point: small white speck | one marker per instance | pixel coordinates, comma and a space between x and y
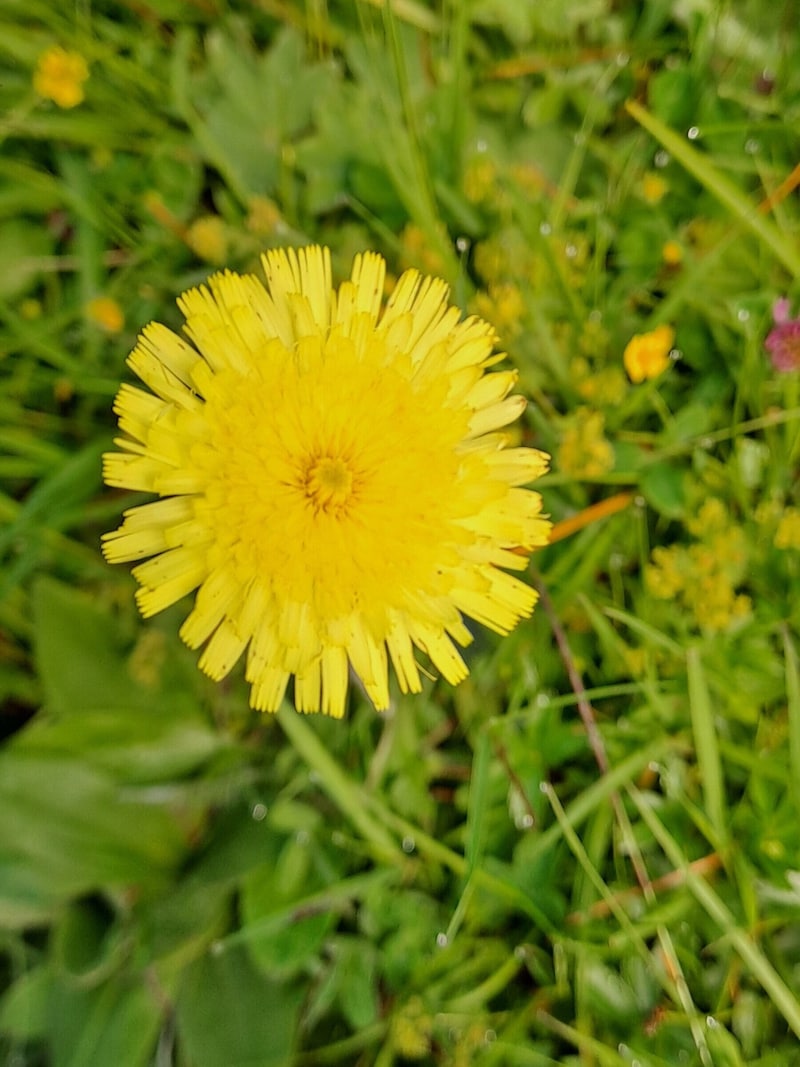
408, 844
259, 812
462, 244
545, 229
693, 133
441, 940
661, 158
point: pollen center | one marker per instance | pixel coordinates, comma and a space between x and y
329, 484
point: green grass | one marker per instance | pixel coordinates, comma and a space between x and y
588, 852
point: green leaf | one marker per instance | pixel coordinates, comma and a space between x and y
25, 1005
662, 486
78, 652
66, 829
673, 95
228, 1013
115, 1024
356, 965
241, 123
285, 949
87, 944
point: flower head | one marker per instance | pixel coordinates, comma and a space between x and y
332, 479
646, 355
783, 341
59, 76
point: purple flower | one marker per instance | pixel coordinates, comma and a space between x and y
783, 340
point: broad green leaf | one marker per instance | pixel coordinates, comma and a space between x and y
69, 828
229, 1013
25, 1005
356, 961
116, 1024
78, 653
662, 486
87, 944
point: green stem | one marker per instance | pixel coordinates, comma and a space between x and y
701, 168
346, 795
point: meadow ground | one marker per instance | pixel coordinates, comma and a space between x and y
586, 853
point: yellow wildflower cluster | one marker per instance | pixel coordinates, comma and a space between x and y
703, 576
788, 533
59, 76
600, 388
412, 1029
503, 306
585, 451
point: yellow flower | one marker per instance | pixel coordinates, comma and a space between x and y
59, 76
654, 187
106, 313
788, 533
333, 480
672, 253
646, 355
208, 238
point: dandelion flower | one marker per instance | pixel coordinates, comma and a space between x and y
646, 355
333, 479
59, 76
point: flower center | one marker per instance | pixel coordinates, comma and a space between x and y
328, 484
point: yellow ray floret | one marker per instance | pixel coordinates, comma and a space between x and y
333, 480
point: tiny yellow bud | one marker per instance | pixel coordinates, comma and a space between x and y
106, 313
653, 187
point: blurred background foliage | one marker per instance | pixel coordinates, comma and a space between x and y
586, 854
